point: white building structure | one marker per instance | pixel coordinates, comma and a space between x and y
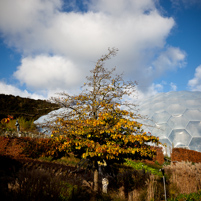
174, 117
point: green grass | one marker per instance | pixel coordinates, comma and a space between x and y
70, 160
141, 166
188, 197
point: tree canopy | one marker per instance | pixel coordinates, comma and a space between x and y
100, 123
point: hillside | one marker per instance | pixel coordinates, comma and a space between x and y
26, 107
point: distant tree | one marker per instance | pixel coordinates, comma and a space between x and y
100, 124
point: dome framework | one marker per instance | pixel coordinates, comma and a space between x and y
174, 117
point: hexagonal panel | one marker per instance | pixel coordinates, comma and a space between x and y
195, 144
180, 137
193, 114
193, 103
172, 100
159, 106
185, 110
186, 95
175, 109
161, 130
178, 122
147, 123
161, 117
194, 128
146, 113
158, 99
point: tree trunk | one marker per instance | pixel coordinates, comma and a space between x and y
96, 180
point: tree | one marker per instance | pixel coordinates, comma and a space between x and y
100, 124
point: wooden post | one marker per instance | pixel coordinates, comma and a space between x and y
96, 180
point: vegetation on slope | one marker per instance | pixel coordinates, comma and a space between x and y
30, 109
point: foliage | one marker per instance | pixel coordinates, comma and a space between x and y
35, 148
25, 125
188, 197
141, 166
12, 147
100, 124
4, 122
70, 160
167, 160
3, 144
25, 146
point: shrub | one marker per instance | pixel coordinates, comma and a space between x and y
25, 125
35, 148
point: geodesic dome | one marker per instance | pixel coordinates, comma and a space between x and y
174, 117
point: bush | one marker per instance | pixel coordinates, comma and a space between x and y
25, 125
35, 148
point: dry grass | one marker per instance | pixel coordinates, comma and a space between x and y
153, 190
44, 184
185, 176
151, 184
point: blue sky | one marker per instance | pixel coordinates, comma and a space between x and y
49, 46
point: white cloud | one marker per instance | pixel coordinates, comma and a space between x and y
168, 60
19, 16
152, 90
38, 28
84, 35
173, 86
195, 83
12, 90
45, 72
